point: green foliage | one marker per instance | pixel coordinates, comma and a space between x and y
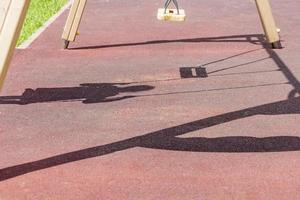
39, 12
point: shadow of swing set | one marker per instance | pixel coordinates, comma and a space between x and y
169, 138
13, 13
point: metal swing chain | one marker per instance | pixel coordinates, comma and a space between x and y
168, 3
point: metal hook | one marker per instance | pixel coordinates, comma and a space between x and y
168, 3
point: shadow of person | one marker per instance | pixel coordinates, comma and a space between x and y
87, 93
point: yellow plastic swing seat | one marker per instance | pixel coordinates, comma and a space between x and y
171, 15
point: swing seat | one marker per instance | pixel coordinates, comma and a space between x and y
171, 15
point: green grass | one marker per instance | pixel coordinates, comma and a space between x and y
39, 12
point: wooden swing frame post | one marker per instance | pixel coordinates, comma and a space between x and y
268, 22
13, 12
263, 8
12, 17
72, 25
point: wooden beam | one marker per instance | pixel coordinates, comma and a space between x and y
11, 28
73, 21
267, 20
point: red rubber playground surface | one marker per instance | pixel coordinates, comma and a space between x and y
143, 109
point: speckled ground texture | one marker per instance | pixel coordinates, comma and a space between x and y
119, 115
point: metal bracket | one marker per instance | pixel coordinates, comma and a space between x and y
168, 3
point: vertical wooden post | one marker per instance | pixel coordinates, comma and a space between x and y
73, 21
11, 27
268, 22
